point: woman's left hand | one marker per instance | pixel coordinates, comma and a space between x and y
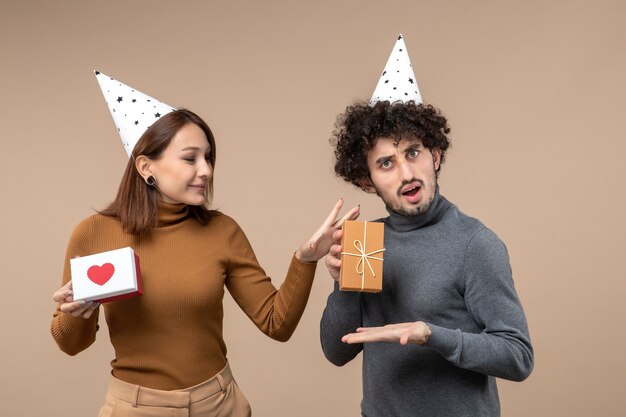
318, 246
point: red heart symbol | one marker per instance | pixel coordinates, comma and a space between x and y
101, 274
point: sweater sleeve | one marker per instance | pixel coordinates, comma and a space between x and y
75, 334
276, 312
503, 348
341, 316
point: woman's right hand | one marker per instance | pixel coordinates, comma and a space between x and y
81, 308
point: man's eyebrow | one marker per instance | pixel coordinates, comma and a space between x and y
383, 159
414, 147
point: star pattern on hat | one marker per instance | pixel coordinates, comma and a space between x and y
397, 82
132, 111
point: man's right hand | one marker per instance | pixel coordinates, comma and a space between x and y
333, 259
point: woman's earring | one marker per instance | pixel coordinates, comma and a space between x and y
151, 181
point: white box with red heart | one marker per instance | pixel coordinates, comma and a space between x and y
106, 276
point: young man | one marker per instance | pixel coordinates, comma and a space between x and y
448, 320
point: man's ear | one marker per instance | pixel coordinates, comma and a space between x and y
144, 166
366, 185
436, 158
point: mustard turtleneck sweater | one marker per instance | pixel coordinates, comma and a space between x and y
171, 336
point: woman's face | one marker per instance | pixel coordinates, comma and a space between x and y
183, 170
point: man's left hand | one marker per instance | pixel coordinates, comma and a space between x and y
416, 332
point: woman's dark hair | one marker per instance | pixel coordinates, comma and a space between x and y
358, 128
137, 203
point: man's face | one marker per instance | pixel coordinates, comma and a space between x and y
404, 175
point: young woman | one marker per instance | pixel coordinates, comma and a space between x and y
170, 354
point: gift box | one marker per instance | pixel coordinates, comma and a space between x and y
106, 276
362, 256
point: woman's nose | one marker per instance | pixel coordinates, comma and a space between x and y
205, 170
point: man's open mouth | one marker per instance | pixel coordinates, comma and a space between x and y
411, 189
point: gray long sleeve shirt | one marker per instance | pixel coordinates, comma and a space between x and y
448, 270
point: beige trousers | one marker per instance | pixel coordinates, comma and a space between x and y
217, 397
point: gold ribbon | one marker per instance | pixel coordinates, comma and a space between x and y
365, 257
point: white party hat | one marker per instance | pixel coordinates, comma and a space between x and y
397, 83
133, 111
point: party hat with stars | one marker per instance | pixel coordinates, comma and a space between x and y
397, 83
133, 111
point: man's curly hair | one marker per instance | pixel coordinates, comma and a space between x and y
358, 128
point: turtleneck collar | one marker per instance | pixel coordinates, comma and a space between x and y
435, 212
172, 213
